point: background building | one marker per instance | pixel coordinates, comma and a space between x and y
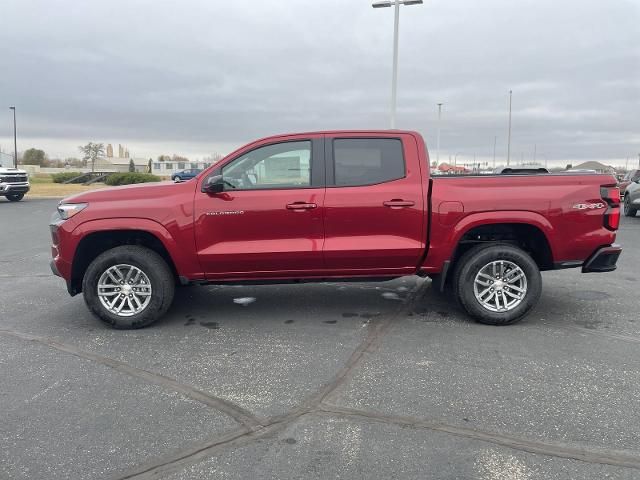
597, 166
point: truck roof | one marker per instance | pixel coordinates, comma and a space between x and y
342, 132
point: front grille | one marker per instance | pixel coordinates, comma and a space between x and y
13, 178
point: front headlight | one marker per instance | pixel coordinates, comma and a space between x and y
68, 210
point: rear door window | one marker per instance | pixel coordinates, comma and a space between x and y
367, 161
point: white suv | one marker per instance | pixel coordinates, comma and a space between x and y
14, 183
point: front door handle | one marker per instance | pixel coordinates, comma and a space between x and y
398, 203
301, 206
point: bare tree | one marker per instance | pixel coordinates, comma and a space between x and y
213, 158
91, 151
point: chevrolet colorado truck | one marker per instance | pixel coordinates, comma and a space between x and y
351, 205
14, 183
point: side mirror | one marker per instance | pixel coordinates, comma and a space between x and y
213, 184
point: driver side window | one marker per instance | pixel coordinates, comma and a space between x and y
282, 165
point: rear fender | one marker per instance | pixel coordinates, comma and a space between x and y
442, 248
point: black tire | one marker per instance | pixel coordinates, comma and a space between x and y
15, 197
155, 268
629, 211
474, 260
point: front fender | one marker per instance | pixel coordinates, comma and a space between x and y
184, 260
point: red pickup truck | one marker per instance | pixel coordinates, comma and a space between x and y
355, 205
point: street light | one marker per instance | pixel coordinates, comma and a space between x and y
438, 144
394, 77
509, 140
495, 140
15, 139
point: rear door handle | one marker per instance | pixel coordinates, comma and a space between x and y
301, 206
398, 203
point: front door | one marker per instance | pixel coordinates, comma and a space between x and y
268, 221
374, 213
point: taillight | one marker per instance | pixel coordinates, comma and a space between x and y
611, 195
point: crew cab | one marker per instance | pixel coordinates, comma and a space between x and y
351, 205
14, 183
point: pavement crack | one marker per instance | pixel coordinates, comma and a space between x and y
616, 458
184, 457
239, 414
195, 454
310, 406
378, 328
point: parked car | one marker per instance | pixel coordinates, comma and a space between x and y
14, 184
632, 198
342, 204
184, 175
630, 177
520, 170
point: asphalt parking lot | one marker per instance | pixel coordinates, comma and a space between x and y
334, 380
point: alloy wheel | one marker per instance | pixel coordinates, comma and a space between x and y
124, 290
500, 286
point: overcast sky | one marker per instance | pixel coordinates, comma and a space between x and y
201, 76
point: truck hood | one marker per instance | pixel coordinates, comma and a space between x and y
140, 191
11, 170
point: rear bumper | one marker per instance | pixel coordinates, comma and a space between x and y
603, 259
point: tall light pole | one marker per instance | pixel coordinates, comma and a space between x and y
509, 138
394, 75
438, 145
495, 140
15, 139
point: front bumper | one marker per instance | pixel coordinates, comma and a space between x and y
60, 267
54, 268
8, 188
603, 259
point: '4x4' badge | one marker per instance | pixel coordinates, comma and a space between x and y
589, 206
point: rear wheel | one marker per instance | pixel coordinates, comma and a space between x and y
128, 287
497, 284
15, 197
629, 211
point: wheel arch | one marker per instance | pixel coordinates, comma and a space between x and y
452, 246
528, 237
95, 241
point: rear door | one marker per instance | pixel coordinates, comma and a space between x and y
374, 206
268, 221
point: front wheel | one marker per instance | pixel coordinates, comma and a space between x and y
497, 284
128, 287
629, 211
15, 197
